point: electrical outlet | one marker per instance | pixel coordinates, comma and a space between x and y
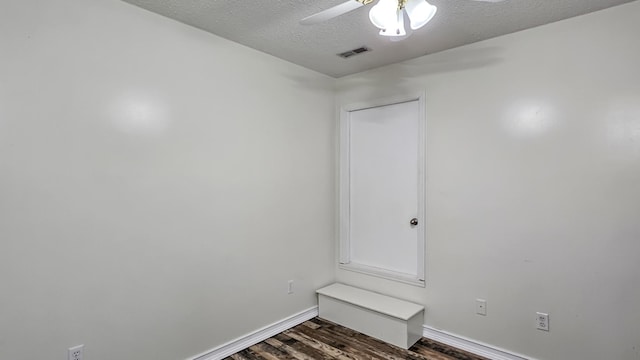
290, 287
76, 352
542, 321
481, 307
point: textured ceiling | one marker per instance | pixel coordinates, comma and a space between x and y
272, 26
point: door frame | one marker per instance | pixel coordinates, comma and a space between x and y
344, 190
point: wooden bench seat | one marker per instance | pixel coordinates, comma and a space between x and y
392, 320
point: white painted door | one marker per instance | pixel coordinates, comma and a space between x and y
384, 180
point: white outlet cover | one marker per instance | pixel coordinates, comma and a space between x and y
76, 352
481, 307
542, 321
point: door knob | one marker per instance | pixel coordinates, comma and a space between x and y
414, 222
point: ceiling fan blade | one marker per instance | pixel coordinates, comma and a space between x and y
330, 13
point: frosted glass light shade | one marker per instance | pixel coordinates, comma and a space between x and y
383, 14
398, 26
420, 12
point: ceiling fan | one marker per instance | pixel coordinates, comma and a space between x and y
386, 15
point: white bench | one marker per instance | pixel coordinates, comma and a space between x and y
392, 320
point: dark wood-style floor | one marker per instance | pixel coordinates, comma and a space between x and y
320, 339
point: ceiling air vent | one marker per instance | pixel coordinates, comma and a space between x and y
350, 53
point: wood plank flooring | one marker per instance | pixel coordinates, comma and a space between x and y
319, 339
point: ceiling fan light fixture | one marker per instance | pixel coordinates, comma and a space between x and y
420, 12
397, 29
384, 14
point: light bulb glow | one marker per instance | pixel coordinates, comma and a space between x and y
397, 28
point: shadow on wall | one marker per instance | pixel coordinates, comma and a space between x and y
401, 77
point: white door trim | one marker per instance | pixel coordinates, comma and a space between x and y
344, 189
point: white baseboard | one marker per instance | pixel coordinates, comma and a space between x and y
460, 342
257, 336
475, 347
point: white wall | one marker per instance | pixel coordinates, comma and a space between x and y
158, 185
533, 186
